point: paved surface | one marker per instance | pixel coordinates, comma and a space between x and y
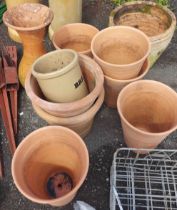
103, 140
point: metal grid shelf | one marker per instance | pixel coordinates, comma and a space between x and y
144, 182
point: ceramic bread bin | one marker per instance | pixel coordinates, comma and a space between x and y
59, 76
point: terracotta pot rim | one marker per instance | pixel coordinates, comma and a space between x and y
87, 115
17, 28
118, 28
168, 11
129, 124
75, 189
62, 107
74, 25
133, 79
58, 72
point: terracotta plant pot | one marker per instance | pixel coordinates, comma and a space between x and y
81, 123
120, 51
49, 150
64, 12
94, 78
113, 86
30, 21
157, 22
148, 113
59, 76
11, 3
76, 36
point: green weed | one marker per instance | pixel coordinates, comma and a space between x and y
160, 2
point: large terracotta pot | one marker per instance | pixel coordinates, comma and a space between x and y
76, 36
30, 21
49, 150
11, 3
148, 113
120, 51
157, 22
65, 11
59, 76
81, 123
114, 86
94, 79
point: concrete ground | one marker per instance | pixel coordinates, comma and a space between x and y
105, 136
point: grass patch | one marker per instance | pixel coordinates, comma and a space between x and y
160, 2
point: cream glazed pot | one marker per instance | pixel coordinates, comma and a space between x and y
59, 76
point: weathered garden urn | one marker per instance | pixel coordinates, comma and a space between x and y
156, 21
30, 21
11, 3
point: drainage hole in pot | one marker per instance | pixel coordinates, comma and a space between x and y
59, 185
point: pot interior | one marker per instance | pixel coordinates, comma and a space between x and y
120, 46
48, 154
151, 19
149, 107
54, 62
75, 37
79, 43
88, 77
28, 15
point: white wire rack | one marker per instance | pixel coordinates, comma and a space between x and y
144, 182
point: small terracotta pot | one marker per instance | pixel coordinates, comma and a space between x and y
59, 76
76, 36
81, 123
120, 51
157, 22
49, 150
94, 78
148, 113
114, 86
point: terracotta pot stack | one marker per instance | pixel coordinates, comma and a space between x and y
79, 114
122, 52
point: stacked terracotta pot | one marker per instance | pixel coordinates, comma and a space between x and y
122, 52
80, 91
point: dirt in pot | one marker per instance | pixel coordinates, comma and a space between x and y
59, 184
150, 19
